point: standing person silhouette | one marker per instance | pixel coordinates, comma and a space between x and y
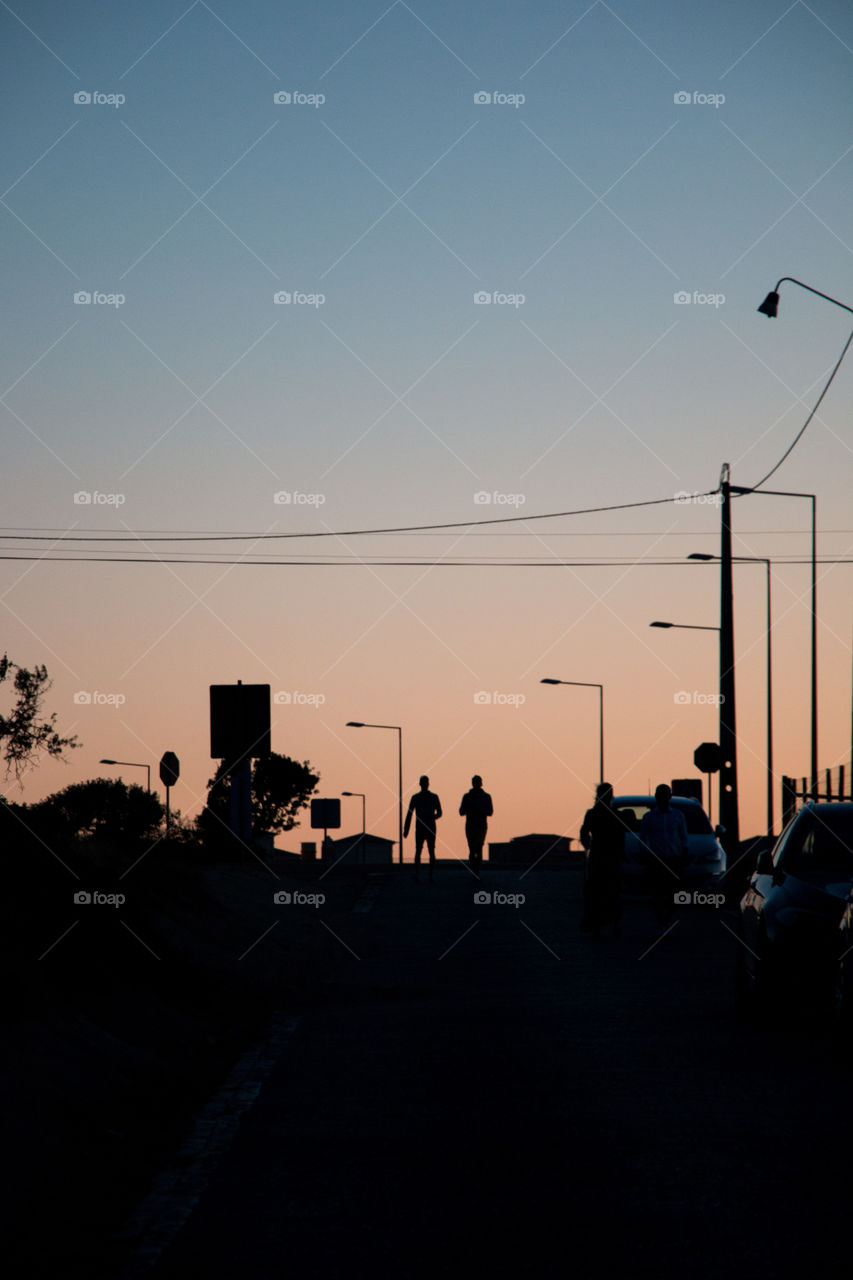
663, 841
603, 836
426, 807
476, 808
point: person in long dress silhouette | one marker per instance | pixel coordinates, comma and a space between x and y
603, 836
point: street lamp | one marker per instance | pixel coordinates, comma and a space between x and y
131, 764
786, 493
770, 305
695, 626
684, 626
700, 555
359, 724
363, 810
770, 308
586, 684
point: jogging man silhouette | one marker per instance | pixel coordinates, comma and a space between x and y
476, 808
426, 807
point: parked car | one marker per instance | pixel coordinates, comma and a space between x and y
843, 982
843, 985
791, 911
707, 858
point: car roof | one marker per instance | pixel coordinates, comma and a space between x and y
651, 800
812, 806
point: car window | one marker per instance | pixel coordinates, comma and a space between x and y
793, 834
694, 814
631, 814
819, 844
696, 818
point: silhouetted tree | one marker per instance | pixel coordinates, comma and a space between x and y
25, 732
280, 788
103, 809
184, 829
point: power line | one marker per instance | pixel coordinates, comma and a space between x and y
356, 533
46, 534
450, 524
802, 429
358, 562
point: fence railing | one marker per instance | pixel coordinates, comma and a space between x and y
833, 784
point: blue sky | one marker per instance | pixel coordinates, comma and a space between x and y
583, 210
511, 206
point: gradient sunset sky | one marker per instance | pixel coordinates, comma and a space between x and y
585, 167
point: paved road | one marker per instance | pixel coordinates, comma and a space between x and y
487, 1089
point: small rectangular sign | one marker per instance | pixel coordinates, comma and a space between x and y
326, 814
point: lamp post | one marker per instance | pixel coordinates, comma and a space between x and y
359, 724
363, 810
695, 626
787, 493
770, 308
699, 555
131, 764
585, 684
727, 793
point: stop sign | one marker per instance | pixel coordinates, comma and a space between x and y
170, 769
708, 757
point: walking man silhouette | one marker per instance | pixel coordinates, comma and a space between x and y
476, 808
426, 807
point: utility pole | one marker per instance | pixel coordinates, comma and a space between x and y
728, 791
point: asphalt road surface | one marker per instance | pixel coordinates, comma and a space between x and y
486, 1090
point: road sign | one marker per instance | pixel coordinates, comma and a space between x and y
170, 769
239, 721
708, 757
326, 814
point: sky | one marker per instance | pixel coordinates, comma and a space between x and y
322, 268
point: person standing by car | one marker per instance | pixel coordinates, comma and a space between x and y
476, 808
663, 839
426, 807
603, 836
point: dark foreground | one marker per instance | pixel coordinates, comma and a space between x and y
479, 1087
